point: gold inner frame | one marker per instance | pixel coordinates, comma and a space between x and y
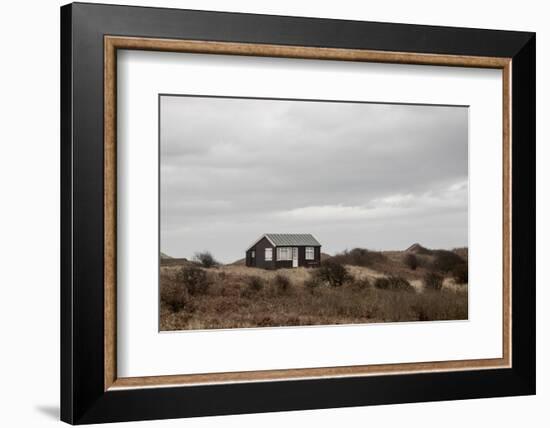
113, 43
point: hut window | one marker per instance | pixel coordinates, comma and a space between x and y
269, 254
310, 253
253, 254
284, 253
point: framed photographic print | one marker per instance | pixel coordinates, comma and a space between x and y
265, 213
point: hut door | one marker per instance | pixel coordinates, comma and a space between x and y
294, 257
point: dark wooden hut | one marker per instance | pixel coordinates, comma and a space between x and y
284, 250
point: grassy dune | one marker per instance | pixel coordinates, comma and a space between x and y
235, 296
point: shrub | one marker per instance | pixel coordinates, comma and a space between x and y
446, 261
194, 279
393, 283
333, 273
174, 295
282, 284
382, 283
359, 257
460, 273
411, 261
206, 259
312, 283
255, 284
361, 284
462, 252
398, 283
433, 281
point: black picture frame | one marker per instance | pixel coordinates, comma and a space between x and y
83, 398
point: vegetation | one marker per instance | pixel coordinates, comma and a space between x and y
361, 284
359, 257
433, 281
356, 286
175, 296
333, 273
194, 279
411, 261
243, 299
445, 261
312, 284
393, 282
282, 284
255, 283
460, 273
206, 259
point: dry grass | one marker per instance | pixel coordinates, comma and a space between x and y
239, 297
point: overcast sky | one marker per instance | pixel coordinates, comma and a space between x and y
378, 176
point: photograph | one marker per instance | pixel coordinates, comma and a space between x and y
289, 212
283, 210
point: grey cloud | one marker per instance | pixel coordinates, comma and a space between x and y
232, 169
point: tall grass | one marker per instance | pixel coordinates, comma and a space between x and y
236, 299
433, 281
393, 283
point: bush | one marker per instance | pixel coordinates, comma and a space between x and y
393, 283
206, 259
194, 279
255, 284
460, 273
398, 283
411, 261
361, 284
445, 261
382, 283
282, 284
312, 283
359, 257
333, 273
175, 296
433, 281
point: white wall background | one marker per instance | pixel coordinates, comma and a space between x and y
29, 219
